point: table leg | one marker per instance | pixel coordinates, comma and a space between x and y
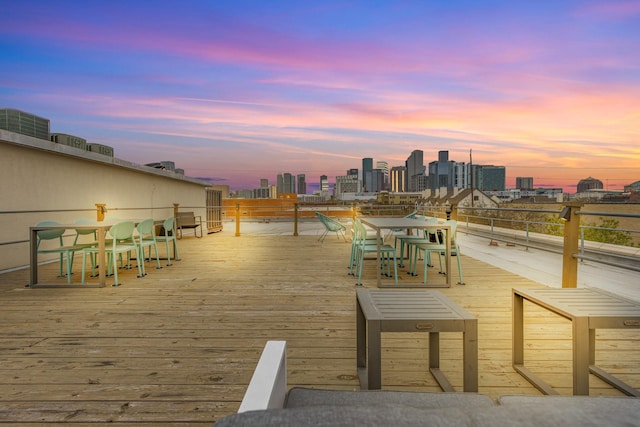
434, 350
102, 258
361, 337
470, 356
378, 261
581, 356
518, 330
447, 257
374, 374
33, 257
592, 346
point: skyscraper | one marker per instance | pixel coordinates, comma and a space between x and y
324, 184
441, 172
280, 184
384, 167
415, 168
489, 177
376, 181
302, 184
286, 183
345, 184
398, 179
289, 183
524, 183
367, 167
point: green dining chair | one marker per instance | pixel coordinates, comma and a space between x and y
364, 246
438, 246
147, 239
80, 240
122, 242
167, 235
65, 251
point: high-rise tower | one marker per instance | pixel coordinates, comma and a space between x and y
367, 167
415, 169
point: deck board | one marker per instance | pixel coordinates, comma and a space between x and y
178, 347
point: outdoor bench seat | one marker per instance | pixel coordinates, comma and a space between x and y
188, 220
268, 403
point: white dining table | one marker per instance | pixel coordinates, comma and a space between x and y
395, 223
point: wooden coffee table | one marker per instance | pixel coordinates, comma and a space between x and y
412, 311
588, 310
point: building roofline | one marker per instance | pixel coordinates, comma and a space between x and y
30, 142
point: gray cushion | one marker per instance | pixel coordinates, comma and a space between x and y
299, 397
400, 415
550, 413
347, 416
617, 403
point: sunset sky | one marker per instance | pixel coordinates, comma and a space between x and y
235, 91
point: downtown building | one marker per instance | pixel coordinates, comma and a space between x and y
286, 184
415, 178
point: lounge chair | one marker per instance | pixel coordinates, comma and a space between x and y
332, 225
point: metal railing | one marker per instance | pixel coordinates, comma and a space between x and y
544, 229
531, 228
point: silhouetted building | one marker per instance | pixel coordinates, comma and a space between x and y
415, 169
302, 184
398, 179
524, 183
441, 172
489, 177
367, 167
589, 184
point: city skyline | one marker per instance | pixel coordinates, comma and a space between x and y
234, 92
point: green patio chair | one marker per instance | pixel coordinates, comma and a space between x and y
438, 246
412, 215
331, 225
365, 246
147, 239
122, 242
168, 234
65, 251
82, 241
370, 239
423, 236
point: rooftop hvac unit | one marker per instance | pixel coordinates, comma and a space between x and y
100, 149
70, 140
24, 123
168, 165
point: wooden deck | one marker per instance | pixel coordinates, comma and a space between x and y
178, 347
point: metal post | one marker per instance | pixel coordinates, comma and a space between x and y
237, 219
570, 247
453, 211
176, 226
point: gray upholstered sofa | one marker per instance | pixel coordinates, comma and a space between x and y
268, 403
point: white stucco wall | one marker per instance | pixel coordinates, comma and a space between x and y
42, 180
